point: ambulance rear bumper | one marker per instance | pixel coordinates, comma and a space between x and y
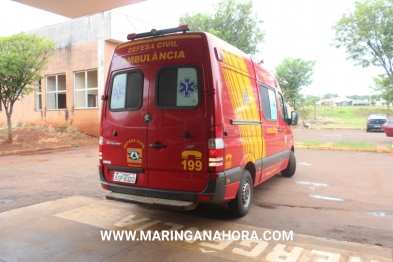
152, 201
215, 188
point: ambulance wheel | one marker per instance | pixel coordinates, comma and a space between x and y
242, 202
291, 168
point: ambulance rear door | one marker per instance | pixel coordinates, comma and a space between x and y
177, 116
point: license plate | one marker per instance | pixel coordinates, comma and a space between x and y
124, 177
377, 125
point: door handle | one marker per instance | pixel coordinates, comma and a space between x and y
157, 146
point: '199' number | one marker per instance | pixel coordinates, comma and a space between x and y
192, 165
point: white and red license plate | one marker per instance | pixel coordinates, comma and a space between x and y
124, 177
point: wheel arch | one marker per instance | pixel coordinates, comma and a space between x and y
250, 167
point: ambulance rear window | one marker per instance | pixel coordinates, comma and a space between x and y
126, 91
178, 88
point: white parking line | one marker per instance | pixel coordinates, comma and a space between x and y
327, 198
301, 248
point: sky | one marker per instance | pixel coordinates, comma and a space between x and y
293, 29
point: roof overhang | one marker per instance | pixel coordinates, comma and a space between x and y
77, 8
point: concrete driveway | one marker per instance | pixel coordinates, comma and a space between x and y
338, 206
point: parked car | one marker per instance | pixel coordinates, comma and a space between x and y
375, 121
388, 127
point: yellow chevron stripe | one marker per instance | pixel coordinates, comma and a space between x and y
238, 82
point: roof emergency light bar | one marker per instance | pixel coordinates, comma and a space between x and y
154, 32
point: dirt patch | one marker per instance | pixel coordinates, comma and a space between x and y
38, 138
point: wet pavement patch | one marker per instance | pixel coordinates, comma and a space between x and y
266, 206
304, 164
327, 198
311, 185
381, 213
6, 188
6, 200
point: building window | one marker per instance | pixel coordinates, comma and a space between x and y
38, 96
56, 97
86, 89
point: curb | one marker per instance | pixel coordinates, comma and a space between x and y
377, 150
34, 151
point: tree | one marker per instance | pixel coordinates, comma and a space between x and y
367, 34
233, 22
330, 95
358, 97
22, 59
311, 100
292, 74
373, 99
384, 87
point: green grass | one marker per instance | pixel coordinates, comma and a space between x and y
310, 143
354, 145
340, 116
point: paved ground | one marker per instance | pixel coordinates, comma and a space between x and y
338, 205
71, 229
331, 136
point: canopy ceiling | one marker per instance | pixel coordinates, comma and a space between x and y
76, 8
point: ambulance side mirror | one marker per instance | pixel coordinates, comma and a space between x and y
294, 118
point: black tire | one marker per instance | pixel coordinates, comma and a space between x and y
368, 130
291, 168
242, 203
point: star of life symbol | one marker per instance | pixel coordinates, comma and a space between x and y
187, 87
245, 97
119, 91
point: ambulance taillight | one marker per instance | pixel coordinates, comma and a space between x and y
100, 144
216, 149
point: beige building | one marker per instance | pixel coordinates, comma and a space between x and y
70, 92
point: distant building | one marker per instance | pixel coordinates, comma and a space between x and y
363, 102
69, 94
337, 101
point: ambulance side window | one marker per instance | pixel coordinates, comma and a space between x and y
269, 103
126, 91
284, 112
178, 88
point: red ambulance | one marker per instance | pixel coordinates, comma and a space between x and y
188, 118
